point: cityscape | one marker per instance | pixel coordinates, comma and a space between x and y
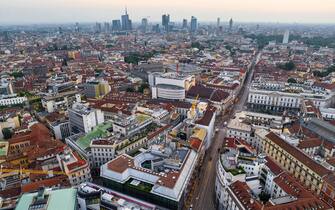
176, 113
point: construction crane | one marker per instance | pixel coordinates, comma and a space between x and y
194, 103
29, 171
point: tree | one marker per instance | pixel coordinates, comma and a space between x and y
142, 87
288, 66
130, 89
291, 80
7, 134
264, 197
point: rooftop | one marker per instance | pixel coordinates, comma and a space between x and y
100, 131
64, 199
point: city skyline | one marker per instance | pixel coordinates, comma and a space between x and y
61, 11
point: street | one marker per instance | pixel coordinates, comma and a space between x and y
204, 193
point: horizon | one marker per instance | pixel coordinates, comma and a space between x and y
20, 12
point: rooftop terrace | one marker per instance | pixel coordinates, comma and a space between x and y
100, 131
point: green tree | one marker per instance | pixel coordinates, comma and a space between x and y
288, 66
130, 89
291, 80
142, 87
7, 134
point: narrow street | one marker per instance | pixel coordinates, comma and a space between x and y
204, 193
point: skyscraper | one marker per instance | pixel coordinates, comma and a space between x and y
116, 25
218, 22
144, 24
194, 24
76, 28
286, 37
126, 22
106, 27
184, 23
97, 27
165, 21
231, 24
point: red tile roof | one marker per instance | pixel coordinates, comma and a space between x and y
298, 154
56, 181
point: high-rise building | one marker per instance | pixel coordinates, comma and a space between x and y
116, 25
106, 27
98, 27
194, 24
144, 24
218, 22
231, 24
126, 22
286, 37
165, 21
184, 23
76, 28
155, 28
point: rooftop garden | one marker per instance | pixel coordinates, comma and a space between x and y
140, 186
99, 131
142, 117
236, 171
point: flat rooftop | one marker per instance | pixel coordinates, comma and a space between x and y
64, 199
100, 131
3, 148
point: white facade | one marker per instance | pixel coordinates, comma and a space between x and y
168, 92
63, 100
84, 119
239, 130
222, 182
61, 130
279, 101
101, 154
170, 85
328, 113
7, 101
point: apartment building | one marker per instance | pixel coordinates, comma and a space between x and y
295, 161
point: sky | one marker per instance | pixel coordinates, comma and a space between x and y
70, 11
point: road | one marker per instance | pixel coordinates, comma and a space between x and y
204, 192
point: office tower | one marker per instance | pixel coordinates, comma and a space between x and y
194, 24
106, 27
97, 27
116, 25
155, 28
76, 28
144, 24
218, 22
231, 24
83, 118
286, 37
184, 23
60, 30
165, 21
126, 22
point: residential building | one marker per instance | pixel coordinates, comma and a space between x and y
60, 101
